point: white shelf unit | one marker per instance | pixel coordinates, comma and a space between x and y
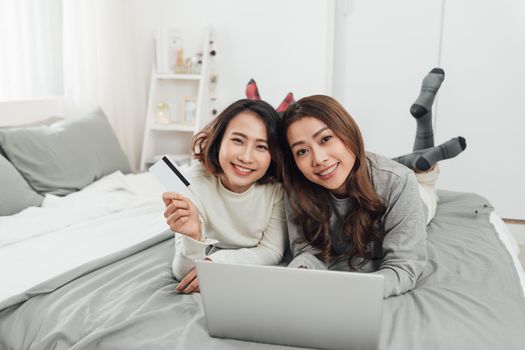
175, 138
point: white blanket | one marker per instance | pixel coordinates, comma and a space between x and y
112, 214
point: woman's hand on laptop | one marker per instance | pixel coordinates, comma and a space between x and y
181, 215
189, 284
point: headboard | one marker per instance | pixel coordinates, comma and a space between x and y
31, 110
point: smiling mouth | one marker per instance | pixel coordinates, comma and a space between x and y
329, 171
241, 170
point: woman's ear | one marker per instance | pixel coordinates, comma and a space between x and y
252, 92
288, 100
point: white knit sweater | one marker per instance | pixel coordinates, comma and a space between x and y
247, 228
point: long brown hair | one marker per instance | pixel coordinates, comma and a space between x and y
207, 142
310, 202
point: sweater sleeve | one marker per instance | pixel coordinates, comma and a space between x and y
187, 250
303, 253
404, 244
269, 250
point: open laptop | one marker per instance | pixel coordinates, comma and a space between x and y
288, 306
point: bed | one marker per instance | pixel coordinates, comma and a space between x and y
90, 268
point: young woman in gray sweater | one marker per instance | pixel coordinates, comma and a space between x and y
348, 209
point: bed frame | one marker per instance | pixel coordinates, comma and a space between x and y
30, 110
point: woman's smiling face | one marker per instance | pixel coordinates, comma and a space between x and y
244, 154
320, 155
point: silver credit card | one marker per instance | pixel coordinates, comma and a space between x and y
171, 177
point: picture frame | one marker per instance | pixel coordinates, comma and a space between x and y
168, 42
189, 109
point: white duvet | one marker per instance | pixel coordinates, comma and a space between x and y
111, 214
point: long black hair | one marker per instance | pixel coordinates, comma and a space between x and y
310, 202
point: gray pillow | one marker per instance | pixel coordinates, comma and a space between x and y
66, 156
47, 121
16, 194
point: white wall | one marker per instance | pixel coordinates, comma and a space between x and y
484, 53
282, 44
385, 48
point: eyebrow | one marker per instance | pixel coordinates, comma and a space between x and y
313, 136
246, 137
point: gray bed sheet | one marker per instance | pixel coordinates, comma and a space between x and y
469, 297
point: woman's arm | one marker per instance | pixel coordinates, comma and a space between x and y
303, 253
186, 221
404, 244
187, 250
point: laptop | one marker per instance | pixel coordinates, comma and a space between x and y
288, 306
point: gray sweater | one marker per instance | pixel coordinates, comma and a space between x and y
401, 256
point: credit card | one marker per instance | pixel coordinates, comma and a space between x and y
169, 176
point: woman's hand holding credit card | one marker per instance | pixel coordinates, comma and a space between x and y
181, 214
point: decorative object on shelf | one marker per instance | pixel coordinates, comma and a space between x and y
189, 105
175, 46
167, 42
212, 84
163, 113
180, 66
213, 75
194, 63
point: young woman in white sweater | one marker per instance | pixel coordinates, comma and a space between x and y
236, 211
